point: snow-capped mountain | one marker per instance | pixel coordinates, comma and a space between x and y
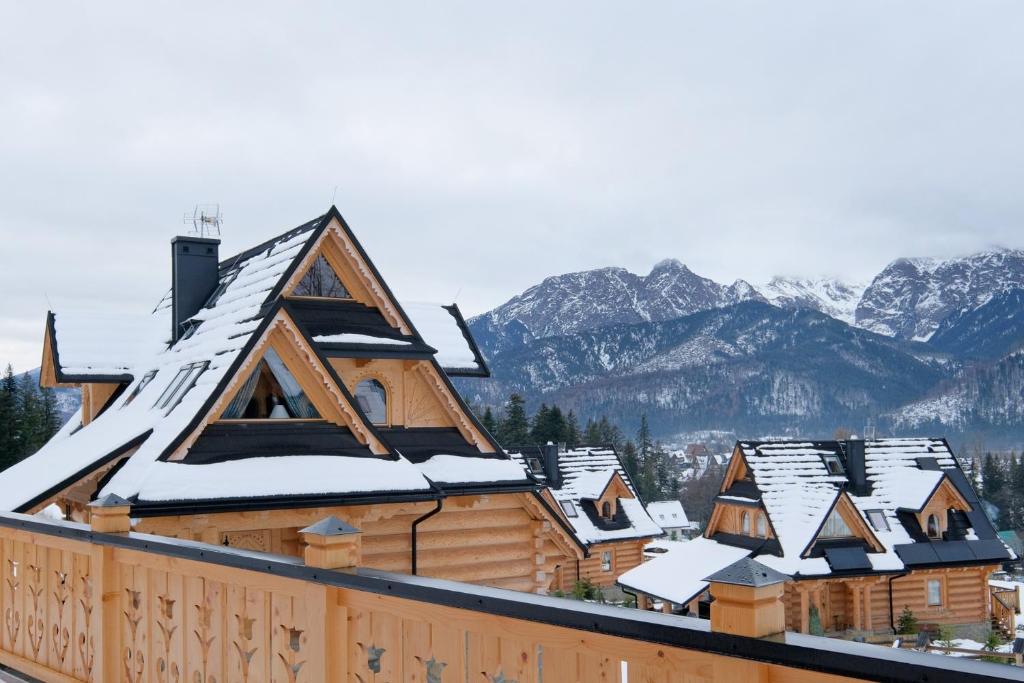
911, 297
828, 295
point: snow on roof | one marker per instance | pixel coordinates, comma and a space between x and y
106, 343
279, 476
440, 327
668, 513
460, 469
678, 575
584, 470
352, 338
227, 328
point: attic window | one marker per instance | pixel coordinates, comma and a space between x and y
606, 510
372, 398
933, 526
878, 520
835, 527
270, 393
834, 465
321, 280
762, 526
146, 379
535, 465
569, 509
180, 385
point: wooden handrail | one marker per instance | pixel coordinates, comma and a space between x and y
78, 605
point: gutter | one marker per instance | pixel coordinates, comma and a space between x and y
416, 523
892, 614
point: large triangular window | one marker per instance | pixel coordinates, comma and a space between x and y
321, 280
835, 527
271, 393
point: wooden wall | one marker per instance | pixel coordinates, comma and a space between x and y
862, 603
492, 540
625, 556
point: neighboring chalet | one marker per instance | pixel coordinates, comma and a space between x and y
593, 491
282, 385
671, 517
863, 528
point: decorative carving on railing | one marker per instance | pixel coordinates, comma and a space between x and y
434, 669
60, 636
245, 653
373, 655
134, 659
35, 625
289, 654
12, 617
166, 670
204, 612
86, 642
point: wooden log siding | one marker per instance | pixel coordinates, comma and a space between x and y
134, 608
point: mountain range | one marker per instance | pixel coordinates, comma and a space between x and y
793, 356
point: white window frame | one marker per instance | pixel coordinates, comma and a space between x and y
833, 460
606, 561
876, 516
569, 509
936, 585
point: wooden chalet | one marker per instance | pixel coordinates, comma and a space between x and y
864, 529
594, 493
280, 386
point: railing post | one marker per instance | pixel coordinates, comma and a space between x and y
332, 544
748, 600
110, 515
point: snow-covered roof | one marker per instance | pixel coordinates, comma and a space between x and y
444, 328
668, 514
139, 424
678, 574
798, 491
584, 474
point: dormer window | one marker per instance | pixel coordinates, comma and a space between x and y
762, 526
745, 523
606, 510
835, 527
321, 281
372, 398
271, 393
933, 526
834, 465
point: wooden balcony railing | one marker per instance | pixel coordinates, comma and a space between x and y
82, 605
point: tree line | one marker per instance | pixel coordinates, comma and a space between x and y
29, 416
1000, 481
649, 464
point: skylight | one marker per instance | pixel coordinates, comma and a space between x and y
569, 509
834, 465
180, 385
878, 520
146, 379
321, 280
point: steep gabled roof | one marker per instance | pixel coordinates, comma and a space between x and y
224, 333
585, 474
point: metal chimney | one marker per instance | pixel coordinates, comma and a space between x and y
194, 277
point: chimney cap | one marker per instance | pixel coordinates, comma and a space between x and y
748, 572
111, 500
330, 526
194, 239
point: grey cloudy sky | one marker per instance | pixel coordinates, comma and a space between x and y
478, 147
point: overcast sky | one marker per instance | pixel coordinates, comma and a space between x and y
476, 150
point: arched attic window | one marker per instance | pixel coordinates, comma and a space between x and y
270, 393
321, 281
372, 398
933, 526
762, 526
606, 510
745, 522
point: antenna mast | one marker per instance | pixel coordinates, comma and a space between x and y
205, 219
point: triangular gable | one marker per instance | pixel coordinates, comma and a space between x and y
339, 247
848, 512
329, 395
953, 498
737, 469
720, 506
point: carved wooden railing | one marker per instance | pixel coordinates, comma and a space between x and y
79, 605
1005, 605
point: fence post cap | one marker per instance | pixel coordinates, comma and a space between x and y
111, 500
330, 526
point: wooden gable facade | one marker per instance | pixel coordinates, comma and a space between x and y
333, 368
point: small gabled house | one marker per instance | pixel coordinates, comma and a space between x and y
864, 528
277, 387
592, 491
671, 517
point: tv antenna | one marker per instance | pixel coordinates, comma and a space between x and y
870, 430
205, 220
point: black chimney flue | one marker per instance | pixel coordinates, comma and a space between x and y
554, 474
857, 468
194, 277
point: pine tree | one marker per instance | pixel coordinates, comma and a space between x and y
572, 430
514, 428
630, 462
487, 420
539, 426
31, 431
1015, 492
993, 487
591, 434
8, 419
